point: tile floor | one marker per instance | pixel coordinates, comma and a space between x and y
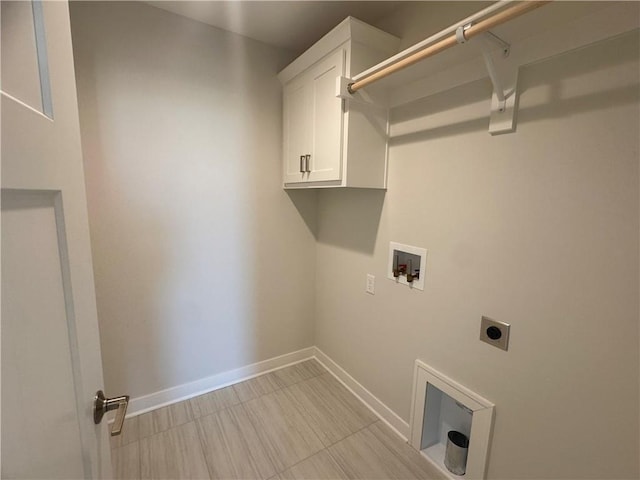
298, 422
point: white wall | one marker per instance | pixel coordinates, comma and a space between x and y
201, 260
538, 229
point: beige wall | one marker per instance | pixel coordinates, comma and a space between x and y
538, 229
204, 264
201, 259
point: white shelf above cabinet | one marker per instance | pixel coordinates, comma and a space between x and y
553, 29
328, 141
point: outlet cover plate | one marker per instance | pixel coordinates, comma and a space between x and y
371, 284
402, 279
495, 333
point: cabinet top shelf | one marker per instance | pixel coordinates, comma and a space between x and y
554, 29
350, 29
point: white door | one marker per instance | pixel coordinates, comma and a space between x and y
50, 351
326, 157
297, 113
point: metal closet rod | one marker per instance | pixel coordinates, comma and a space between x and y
448, 42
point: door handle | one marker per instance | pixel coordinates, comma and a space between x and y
302, 169
307, 163
102, 405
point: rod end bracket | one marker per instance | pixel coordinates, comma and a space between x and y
343, 88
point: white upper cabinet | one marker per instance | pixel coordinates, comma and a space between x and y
330, 142
313, 123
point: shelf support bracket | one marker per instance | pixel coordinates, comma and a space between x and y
504, 78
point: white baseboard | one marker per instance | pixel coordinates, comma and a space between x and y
162, 398
385, 414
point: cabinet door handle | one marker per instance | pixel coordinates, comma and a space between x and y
302, 167
308, 163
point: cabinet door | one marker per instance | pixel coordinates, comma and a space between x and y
326, 129
296, 129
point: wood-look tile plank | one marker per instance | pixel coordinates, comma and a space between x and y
412, 459
313, 367
331, 385
232, 447
330, 417
298, 372
256, 387
174, 453
164, 418
284, 433
126, 461
363, 456
288, 376
320, 466
130, 433
213, 402
287, 418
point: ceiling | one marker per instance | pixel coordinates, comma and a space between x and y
292, 25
